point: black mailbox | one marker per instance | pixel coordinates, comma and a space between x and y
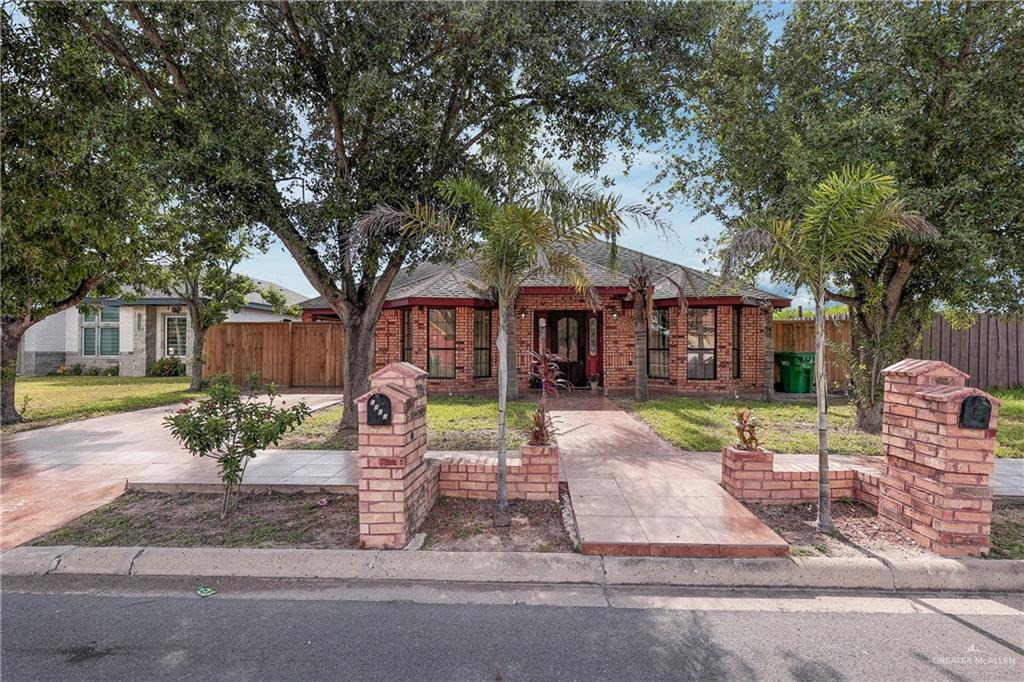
378, 410
975, 412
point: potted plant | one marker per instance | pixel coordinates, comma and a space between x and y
594, 380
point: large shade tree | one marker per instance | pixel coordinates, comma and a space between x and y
932, 93
77, 207
531, 230
373, 103
851, 218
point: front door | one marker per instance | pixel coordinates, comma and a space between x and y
568, 331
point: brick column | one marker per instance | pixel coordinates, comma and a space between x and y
397, 487
936, 475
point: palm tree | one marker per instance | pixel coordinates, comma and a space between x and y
531, 232
641, 290
848, 221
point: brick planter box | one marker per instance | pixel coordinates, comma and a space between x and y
531, 476
750, 475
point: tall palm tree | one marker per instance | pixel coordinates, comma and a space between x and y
849, 220
534, 231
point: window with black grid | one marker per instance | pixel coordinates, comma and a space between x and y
737, 341
481, 343
407, 335
441, 343
700, 343
658, 344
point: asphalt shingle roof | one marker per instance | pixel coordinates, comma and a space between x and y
430, 280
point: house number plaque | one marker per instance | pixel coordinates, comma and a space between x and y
378, 410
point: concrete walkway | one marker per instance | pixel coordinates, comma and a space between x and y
635, 494
53, 475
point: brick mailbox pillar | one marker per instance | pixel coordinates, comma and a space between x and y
397, 486
939, 440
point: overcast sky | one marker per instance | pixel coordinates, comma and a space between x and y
680, 245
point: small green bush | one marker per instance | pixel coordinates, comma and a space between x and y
112, 371
230, 427
167, 367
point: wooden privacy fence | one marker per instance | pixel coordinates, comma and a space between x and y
287, 353
798, 335
991, 351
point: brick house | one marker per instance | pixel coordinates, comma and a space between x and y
439, 318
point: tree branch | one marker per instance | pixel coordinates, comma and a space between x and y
323, 85
112, 43
150, 31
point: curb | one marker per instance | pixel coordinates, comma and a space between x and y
961, 575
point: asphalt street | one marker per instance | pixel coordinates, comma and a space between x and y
266, 630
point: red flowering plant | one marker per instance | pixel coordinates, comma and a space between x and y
230, 427
547, 372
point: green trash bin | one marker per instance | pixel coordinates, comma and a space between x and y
797, 370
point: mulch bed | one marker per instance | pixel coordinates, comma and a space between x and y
468, 526
193, 520
859, 531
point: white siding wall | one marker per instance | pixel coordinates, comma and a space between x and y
126, 329
48, 335
73, 333
250, 315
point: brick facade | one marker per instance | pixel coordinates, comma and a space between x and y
615, 357
936, 481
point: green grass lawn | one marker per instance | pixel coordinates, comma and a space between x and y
452, 424
45, 401
706, 425
1010, 431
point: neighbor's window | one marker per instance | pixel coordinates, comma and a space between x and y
481, 343
407, 335
174, 340
700, 343
657, 344
441, 343
100, 332
737, 339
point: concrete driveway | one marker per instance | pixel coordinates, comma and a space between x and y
50, 476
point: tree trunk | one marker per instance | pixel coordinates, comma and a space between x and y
12, 334
512, 383
769, 353
501, 514
358, 367
198, 347
821, 390
640, 324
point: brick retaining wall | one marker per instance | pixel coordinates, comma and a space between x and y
531, 476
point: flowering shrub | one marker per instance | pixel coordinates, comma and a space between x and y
230, 427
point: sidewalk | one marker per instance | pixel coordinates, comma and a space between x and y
634, 494
52, 475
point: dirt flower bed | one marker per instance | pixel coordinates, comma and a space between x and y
468, 526
1007, 531
860, 532
193, 520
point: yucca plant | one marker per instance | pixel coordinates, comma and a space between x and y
534, 229
849, 220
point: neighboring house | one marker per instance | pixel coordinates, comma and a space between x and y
437, 317
129, 333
